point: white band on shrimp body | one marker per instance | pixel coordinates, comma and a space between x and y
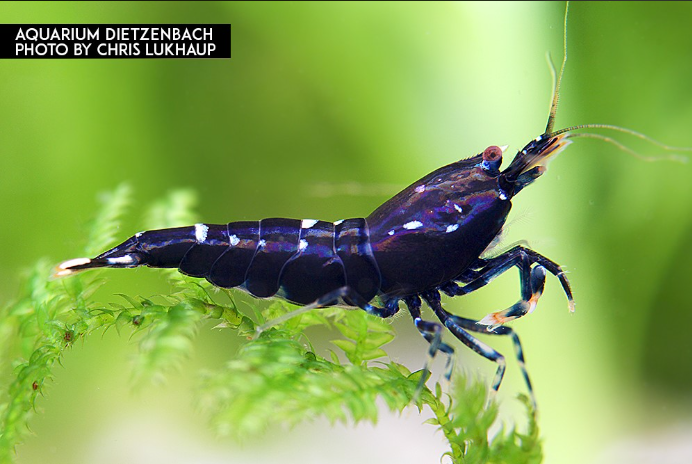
74, 262
201, 231
307, 223
127, 259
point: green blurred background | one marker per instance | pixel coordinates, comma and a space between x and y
325, 110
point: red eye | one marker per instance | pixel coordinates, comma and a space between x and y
492, 153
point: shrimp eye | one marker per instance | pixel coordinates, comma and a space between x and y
492, 153
492, 159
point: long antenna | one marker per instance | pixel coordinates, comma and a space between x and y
557, 81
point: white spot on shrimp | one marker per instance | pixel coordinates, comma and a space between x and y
302, 245
503, 195
65, 268
307, 223
420, 189
391, 232
262, 242
127, 259
338, 222
138, 234
234, 240
458, 208
413, 225
74, 262
201, 232
452, 228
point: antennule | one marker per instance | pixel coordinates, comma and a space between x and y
626, 149
557, 81
549, 133
624, 130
